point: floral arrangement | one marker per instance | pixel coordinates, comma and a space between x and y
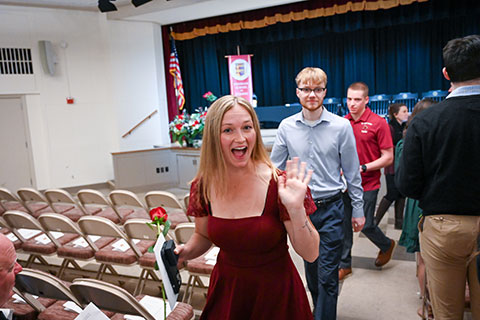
185, 128
159, 219
209, 96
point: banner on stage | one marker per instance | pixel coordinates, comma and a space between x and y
240, 72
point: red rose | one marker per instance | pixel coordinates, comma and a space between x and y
158, 214
179, 126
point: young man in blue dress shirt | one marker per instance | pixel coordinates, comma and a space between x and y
327, 144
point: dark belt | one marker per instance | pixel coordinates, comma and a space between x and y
324, 202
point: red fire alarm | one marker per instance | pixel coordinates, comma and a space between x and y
70, 100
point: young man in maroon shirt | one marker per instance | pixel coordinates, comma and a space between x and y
375, 151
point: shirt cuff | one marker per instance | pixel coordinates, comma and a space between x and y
357, 212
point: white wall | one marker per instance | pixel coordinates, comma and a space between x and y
115, 73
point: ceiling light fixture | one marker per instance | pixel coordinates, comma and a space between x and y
106, 6
137, 3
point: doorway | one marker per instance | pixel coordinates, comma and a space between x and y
15, 152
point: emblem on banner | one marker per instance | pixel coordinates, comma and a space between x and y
240, 69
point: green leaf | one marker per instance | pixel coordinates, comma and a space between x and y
149, 224
150, 249
166, 227
156, 265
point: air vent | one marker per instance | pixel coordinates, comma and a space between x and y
16, 61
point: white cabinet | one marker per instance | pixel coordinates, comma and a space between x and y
187, 166
156, 168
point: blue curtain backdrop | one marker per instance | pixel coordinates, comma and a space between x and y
393, 51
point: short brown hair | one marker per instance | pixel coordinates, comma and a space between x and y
361, 86
311, 74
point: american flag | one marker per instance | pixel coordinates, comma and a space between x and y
177, 76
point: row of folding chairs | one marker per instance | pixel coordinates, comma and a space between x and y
379, 103
91, 238
46, 297
119, 206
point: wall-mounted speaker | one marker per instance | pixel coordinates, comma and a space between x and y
47, 56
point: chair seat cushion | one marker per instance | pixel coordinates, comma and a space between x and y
58, 312
73, 213
69, 250
23, 311
32, 245
137, 214
199, 265
37, 208
182, 311
110, 214
63, 207
176, 216
108, 255
14, 205
91, 210
147, 260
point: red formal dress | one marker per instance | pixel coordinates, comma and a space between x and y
254, 277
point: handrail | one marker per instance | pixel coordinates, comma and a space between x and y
138, 124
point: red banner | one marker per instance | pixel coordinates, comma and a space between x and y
240, 71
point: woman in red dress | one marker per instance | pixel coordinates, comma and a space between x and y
246, 207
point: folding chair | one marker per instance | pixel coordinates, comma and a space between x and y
379, 104
35, 202
113, 298
82, 248
197, 268
5, 230
184, 232
436, 95
122, 252
62, 202
95, 203
175, 210
22, 309
126, 199
138, 229
186, 201
334, 105
42, 244
34, 282
9, 201
407, 98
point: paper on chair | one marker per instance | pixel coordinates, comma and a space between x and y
18, 299
43, 239
80, 242
28, 233
153, 305
56, 234
122, 245
91, 312
212, 254
71, 306
12, 237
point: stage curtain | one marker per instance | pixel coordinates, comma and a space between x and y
392, 50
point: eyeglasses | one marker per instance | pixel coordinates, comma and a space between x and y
307, 91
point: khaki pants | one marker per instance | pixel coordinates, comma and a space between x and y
448, 244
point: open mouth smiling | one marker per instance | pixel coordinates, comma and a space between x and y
239, 151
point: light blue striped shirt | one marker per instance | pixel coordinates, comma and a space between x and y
328, 147
465, 91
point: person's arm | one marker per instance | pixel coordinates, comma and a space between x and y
198, 244
386, 158
349, 164
409, 176
291, 190
279, 154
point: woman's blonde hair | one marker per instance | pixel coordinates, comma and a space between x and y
212, 172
